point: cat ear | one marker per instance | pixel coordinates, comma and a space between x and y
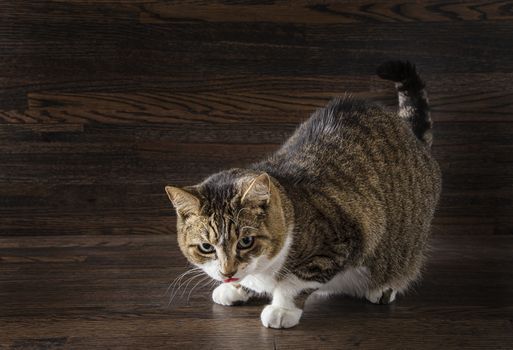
184, 201
257, 190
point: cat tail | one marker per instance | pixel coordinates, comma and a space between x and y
413, 99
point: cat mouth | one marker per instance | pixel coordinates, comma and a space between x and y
228, 280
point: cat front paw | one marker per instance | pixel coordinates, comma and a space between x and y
280, 317
228, 294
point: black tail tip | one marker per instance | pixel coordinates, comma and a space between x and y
398, 71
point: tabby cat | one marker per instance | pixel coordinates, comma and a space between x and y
344, 206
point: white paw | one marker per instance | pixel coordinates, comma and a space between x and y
279, 317
228, 294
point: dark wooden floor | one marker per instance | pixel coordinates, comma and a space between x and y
104, 102
89, 292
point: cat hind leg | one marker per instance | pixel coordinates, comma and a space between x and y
384, 295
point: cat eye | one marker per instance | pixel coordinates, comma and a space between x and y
206, 248
246, 242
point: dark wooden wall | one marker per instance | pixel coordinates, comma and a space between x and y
102, 103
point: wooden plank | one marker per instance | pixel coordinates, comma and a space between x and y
327, 12
453, 97
79, 32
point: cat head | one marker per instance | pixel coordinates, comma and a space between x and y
231, 225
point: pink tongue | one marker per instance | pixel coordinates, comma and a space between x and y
228, 280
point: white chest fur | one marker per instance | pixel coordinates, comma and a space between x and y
264, 280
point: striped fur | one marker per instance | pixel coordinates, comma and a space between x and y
413, 99
364, 192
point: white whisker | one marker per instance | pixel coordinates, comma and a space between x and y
177, 279
190, 292
177, 288
189, 282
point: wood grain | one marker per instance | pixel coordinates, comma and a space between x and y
328, 12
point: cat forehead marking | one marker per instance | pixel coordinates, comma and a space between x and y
222, 226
